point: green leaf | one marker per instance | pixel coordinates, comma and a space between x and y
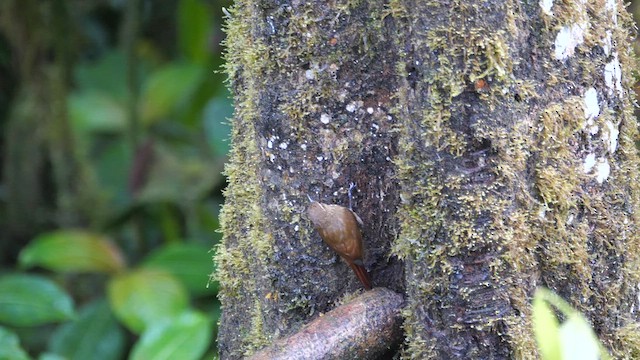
50, 356
28, 300
190, 263
169, 88
194, 30
143, 296
73, 250
93, 111
95, 335
545, 328
106, 75
184, 337
573, 339
10, 346
112, 164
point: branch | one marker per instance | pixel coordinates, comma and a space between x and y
364, 328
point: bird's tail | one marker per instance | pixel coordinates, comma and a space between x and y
362, 275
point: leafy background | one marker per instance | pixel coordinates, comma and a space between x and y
114, 134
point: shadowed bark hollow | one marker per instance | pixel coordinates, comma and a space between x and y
492, 145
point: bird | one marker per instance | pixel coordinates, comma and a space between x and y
338, 228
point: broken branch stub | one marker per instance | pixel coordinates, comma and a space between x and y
363, 328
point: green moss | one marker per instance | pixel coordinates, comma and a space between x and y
395, 9
629, 335
258, 333
557, 176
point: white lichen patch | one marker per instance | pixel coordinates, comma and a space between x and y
613, 75
325, 118
606, 43
610, 6
589, 163
542, 212
313, 71
271, 140
546, 6
591, 107
570, 219
601, 167
567, 39
591, 111
283, 145
603, 170
310, 74
610, 137
354, 105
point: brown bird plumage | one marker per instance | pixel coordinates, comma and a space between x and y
338, 227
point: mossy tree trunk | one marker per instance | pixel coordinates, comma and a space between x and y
492, 144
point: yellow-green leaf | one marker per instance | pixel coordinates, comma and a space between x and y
578, 340
169, 88
73, 251
545, 328
184, 337
190, 263
143, 296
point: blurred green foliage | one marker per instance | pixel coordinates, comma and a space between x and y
114, 121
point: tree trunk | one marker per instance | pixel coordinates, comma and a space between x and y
492, 145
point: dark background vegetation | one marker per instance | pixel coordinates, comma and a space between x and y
114, 135
114, 118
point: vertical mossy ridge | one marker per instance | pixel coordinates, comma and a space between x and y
244, 252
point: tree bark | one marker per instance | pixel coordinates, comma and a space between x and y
492, 145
